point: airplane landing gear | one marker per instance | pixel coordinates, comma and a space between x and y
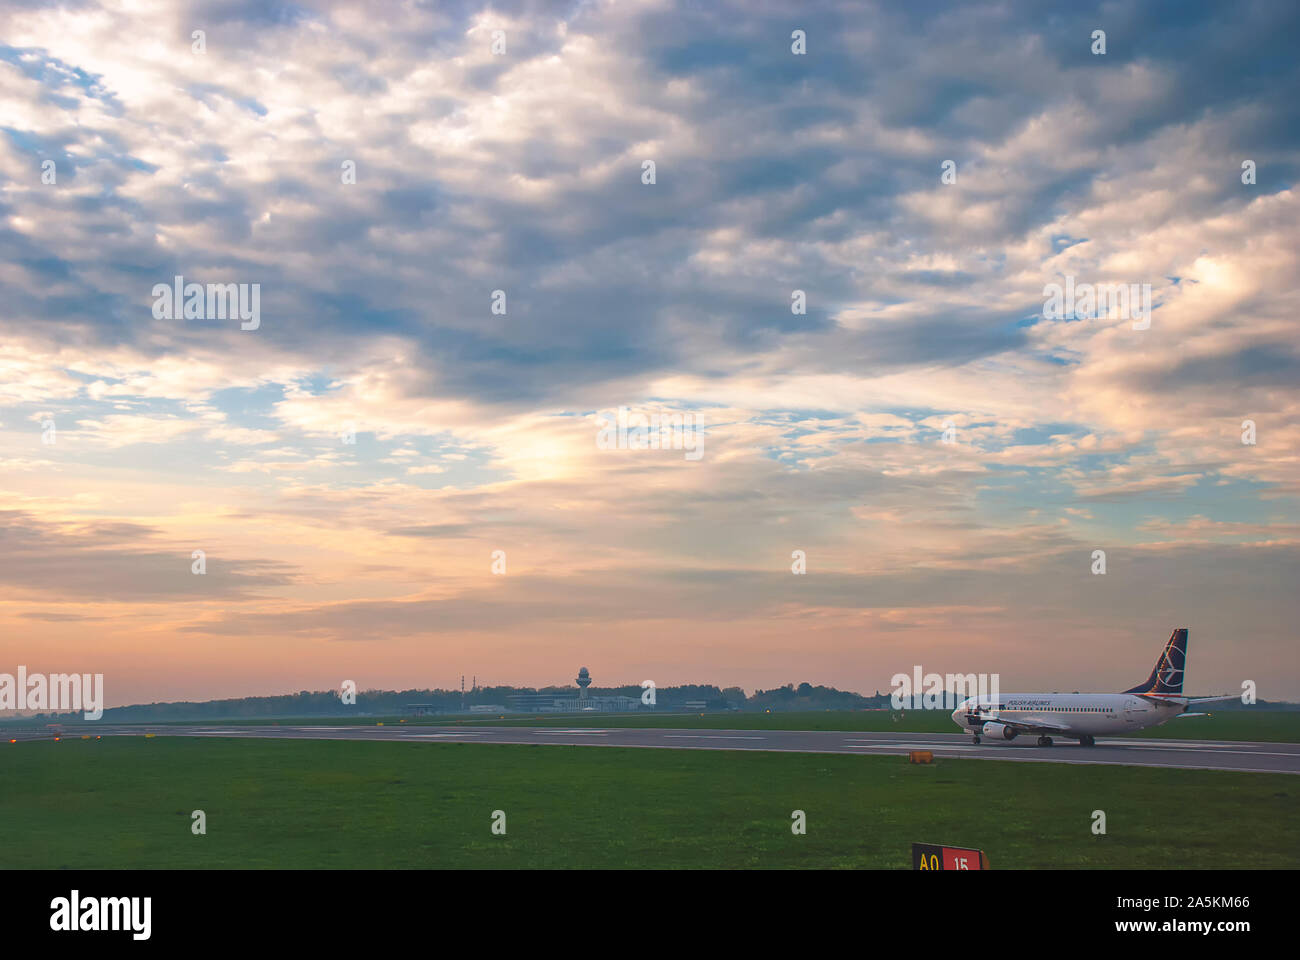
975, 739
1087, 742
1044, 741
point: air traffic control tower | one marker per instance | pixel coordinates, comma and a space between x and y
557, 701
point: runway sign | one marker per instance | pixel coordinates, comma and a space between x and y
932, 856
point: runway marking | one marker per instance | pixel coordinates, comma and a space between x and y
1194, 746
571, 733
1220, 753
962, 748
941, 744
1240, 753
1175, 743
1201, 748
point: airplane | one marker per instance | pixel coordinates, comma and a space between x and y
1082, 716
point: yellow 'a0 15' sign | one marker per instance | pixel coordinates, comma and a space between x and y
933, 856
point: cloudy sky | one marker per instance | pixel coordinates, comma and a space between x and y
380, 170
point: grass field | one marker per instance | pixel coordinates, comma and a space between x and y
127, 802
1278, 726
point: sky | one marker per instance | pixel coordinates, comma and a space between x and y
823, 236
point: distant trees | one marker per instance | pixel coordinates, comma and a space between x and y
809, 697
327, 703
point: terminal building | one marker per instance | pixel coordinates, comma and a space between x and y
564, 703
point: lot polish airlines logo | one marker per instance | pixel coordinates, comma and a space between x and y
74, 913
1170, 673
939, 691
57, 692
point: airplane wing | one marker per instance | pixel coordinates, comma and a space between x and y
1027, 726
1226, 696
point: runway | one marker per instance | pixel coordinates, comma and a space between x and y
1181, 754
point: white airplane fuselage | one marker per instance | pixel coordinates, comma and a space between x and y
1071, 715
1083, 716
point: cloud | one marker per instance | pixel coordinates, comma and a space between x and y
475, 427
118, 562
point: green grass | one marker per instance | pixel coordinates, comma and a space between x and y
126, 802
1278, 726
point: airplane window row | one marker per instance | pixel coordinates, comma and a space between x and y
1056, 709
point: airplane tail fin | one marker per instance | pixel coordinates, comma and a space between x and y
1167, 675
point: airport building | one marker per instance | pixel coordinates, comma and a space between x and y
562, 703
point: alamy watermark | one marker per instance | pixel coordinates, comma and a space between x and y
940, 691
56, 693
630, 430
75, 913
213, 301
1084, 301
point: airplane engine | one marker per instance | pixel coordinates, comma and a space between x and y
999, 730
